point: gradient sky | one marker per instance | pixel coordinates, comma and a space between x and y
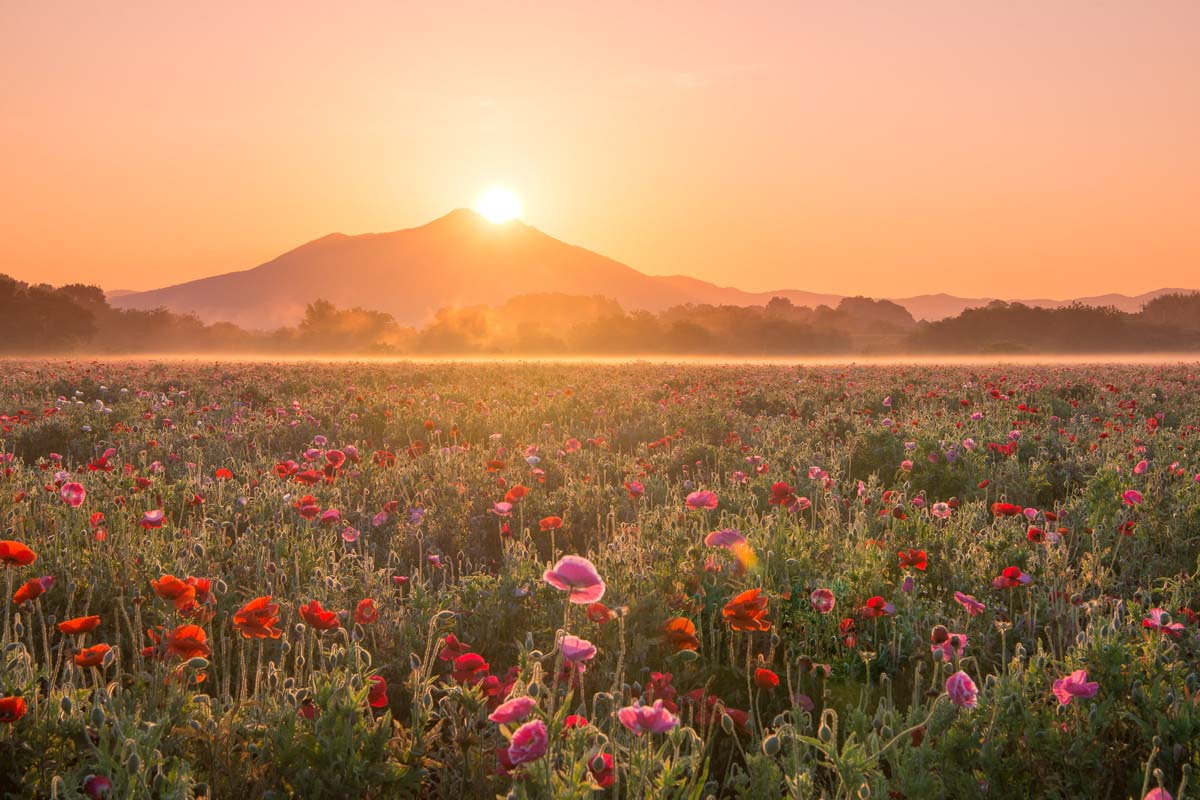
1016, 148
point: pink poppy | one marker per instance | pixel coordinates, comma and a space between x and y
973, 606
502, 509
647, 719
946, 644
1075, 685
1141, 467
73, 494
350, 534
153, 519
1158, 794
961, 690
1160, 621
726, 537
575, 649
578, 576
702, 500
822, 600
331, 516
528, 743
1011, 578
515, 710
1132, 497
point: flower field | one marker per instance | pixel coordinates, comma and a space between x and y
576, 581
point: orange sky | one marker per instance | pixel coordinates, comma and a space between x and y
1017, 148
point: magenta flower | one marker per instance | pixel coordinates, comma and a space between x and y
726, 537
946, 644
515, 710
1075, 685
73, 494
153, 519
702, 499
528, 743
502, 509
578, 576
1160, 621
576, 650
647, 719
1158, 794
331, 516
822, 600
1132, 497
973, 606
961, 690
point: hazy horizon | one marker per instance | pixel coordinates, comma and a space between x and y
1007, 150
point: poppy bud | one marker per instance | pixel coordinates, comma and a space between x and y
134, 764
97, 716
886, 732
939, 634
534, 690
727, 724
197, 662
771, 746
779, 721
18, 628
825, 733
687, 656
536, 655
598, 764
66, 704
444, 617
414, 662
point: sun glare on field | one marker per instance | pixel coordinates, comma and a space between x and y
498, 204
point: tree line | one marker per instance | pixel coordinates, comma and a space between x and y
41, 319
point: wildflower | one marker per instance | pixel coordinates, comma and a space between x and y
680, 634
962, 690
600, 613
746, 612
601, 768
1011, 578
914, 558
188, 641
12, 709
15, 554
365, 612
940, 510
576, 650
1159, 620
578, 577
257, 619
79, 625
1075, 685
73, 494
317, 617
377, 693
877, 607
92, 656
973, 606
765, 679
452, 648
550, 523
948, 645
515, 710
1005, 510
32, 589
822, 600
153, 519
528, 743
702, 500
1132, 497
635, 489
727, 538
640, 719
469, 668
168, 587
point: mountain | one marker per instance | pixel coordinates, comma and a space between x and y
462, 259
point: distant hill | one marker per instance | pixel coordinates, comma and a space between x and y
461, 259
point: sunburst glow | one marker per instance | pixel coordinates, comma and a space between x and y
498, 204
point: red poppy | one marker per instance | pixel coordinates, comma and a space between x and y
92, 656
746, 612
1006, 510
32, 589
877, 607
765, 679
73, 627
913, 558
12, 709
257, 619
377, 696
452, 648
168, 587
318, 618
680, 634
550, 523
365, 612
469, 668
600, 613
516, 493
188, 641
15, 554
223, 474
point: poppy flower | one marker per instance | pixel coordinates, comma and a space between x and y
1160, 621
257, 619
1131, 497
1006, 510
79, 625
973, 606
181, 593
746, 612
515, 710
727, 538
680, 634
469, 668
877, 607
578, 577
452, 648
782, 496
962, 690
377, 693
153, 519
765, 679
600, 613
701, 500
575, 650
635, 489
12, 709
317, 617
640, 719
365, 612
550, 523
601, 767
223, 474
32, 589
914, 558
822, 600
946, 644
92, 656
73, 494
188, 641
528, 743
1011, 578
516, 494
1074, 685
15, 554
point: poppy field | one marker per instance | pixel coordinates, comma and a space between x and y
578, 581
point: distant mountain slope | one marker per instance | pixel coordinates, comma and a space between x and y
461, 259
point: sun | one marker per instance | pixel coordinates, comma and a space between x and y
498, 204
